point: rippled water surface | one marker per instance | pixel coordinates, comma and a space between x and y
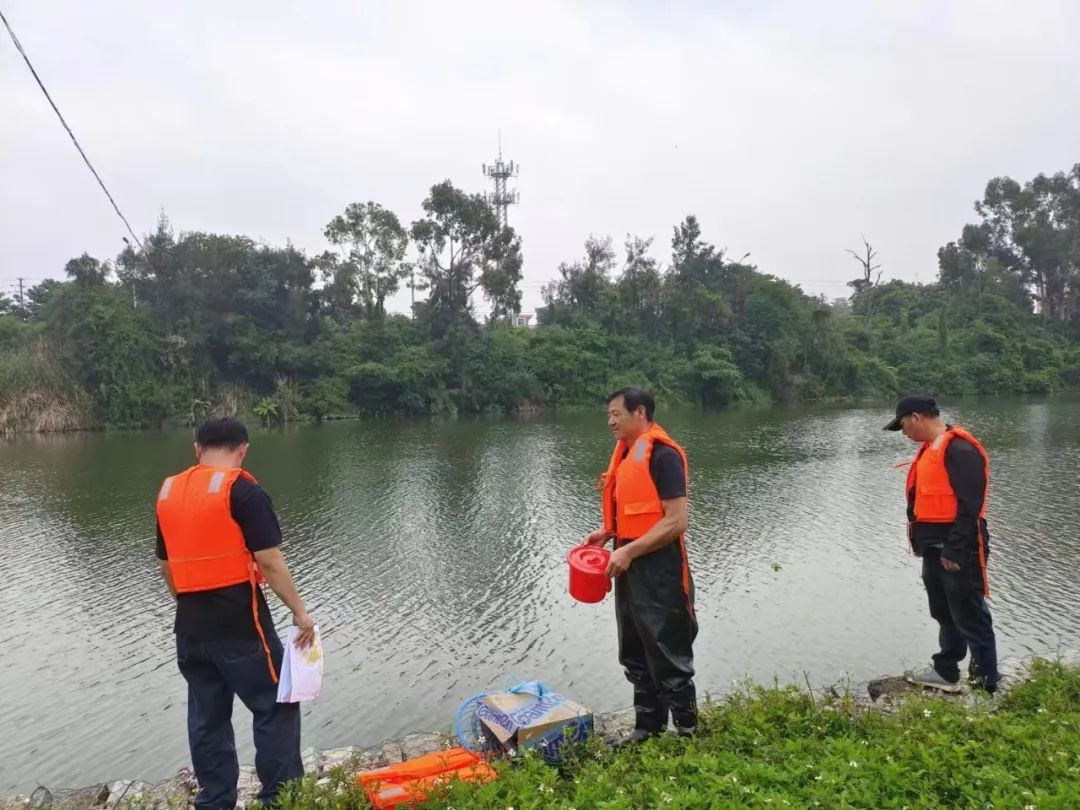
433, 557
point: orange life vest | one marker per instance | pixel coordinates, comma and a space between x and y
935, 499
631, 501
413, 781
204, 544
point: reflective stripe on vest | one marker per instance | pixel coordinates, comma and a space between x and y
631, 501
935, 499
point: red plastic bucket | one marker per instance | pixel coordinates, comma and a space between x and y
588, 580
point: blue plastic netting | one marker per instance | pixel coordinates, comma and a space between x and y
469, 729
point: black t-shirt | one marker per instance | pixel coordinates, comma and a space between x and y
666, 469
226, 612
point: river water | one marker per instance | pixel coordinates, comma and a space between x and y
433, 556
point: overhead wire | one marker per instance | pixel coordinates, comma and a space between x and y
74, 140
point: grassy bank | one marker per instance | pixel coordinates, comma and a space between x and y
783, 748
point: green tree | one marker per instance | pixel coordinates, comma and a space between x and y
266, 409
370, 263
714, 378
87, 270
1033, 231
696, 310
640, 289
111, 349
463, 248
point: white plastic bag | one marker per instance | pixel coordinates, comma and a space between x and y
301, 670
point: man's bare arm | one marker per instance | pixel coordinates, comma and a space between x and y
273, 566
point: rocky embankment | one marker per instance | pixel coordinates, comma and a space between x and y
881, 695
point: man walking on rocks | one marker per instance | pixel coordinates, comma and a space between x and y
946, 506
217, 539
644, 508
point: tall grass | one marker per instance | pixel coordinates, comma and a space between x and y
37, 396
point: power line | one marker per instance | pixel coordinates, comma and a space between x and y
74, 140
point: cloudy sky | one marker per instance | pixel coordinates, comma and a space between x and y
789, 128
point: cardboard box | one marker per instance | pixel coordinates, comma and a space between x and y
542, 723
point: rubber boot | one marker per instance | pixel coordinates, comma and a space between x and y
650, 710
650, 718
684, 711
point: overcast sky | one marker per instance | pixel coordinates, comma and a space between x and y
788, 128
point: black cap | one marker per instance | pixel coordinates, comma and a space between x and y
916, 403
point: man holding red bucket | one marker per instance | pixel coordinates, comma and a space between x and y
644, 507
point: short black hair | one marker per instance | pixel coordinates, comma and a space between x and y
225, 431
635, 398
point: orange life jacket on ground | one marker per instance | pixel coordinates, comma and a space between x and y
412, 782
204, 544
935, 499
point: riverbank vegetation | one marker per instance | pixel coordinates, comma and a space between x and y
192, 323
784, 748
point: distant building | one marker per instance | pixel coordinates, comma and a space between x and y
523, 320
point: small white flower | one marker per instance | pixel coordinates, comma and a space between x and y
853, 764
818, 778
1030, 807
1042, 710
926, 712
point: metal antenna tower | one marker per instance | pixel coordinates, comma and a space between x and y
499, 172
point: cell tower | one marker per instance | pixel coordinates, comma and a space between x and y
502, 197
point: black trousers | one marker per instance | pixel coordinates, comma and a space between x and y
217, 671
959, 606
654, 611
